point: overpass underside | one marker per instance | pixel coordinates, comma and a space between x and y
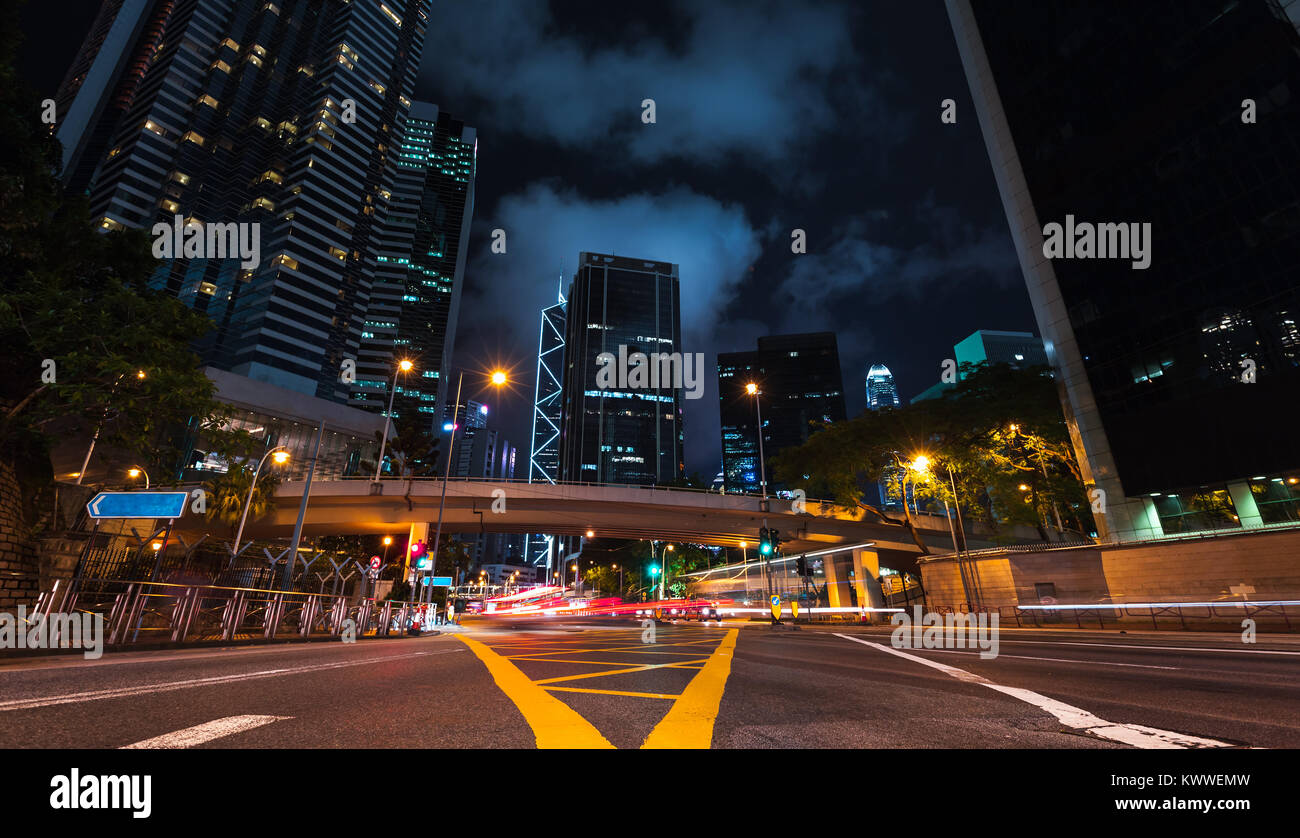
343, 507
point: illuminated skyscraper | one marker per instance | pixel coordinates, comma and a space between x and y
798, 378
420, 266
620, 434
881, 391
290, 115
548, 404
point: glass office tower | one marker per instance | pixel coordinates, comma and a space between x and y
422, 245
621, 434
290, 115
881, 390
798, 378
1179, 380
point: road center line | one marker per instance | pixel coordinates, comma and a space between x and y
191, 736
146, 689
1139, 736
689, 722
554, 723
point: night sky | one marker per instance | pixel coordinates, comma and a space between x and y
822, 116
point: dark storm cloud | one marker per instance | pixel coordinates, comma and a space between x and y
867, 262
769, 117
863, 263
744, 77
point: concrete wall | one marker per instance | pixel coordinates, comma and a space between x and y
1190, 570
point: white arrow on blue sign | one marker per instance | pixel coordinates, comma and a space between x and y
137, 504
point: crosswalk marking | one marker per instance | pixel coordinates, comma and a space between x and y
198, 734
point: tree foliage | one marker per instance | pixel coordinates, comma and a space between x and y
78, 319
999, 432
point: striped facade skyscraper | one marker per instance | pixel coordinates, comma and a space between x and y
296, 116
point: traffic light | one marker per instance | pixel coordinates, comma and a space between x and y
654, 571
765, 546
420, 555
802, 564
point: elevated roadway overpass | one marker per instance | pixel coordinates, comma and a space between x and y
349, 506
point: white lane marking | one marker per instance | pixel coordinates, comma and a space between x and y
206, 732
1062, 660
144, 689
1163, 648
129, 656
1129, 646
1139, 736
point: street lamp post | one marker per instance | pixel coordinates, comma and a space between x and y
752, 389
136, 471
663, 567
248, 502
402, 366
922, 464
744, 562
498, 379
102, 419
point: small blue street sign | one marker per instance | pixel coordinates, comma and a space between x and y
776, 600
137, 504
440, 581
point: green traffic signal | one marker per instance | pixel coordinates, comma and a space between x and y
654, 571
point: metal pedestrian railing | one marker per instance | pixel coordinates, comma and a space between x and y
154, 612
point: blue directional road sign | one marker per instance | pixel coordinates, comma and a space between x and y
137, 504
440, 581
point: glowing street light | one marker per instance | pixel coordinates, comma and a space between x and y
136, 471
279, 456
922, 463
752, 389
402, 366
86, 462
498, 378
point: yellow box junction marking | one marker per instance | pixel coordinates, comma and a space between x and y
689, 723
554, 723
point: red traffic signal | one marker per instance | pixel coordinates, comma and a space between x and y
418, 549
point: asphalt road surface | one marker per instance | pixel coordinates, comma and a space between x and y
567, 684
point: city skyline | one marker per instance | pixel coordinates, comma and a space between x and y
933, 242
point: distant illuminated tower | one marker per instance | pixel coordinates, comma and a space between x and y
881, 391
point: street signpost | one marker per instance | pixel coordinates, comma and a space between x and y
169, 505
776, 607
137, 505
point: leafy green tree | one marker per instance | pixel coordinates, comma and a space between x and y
78, 322
999, 433
228, 492
453, 557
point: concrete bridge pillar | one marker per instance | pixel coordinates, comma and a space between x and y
866, 570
